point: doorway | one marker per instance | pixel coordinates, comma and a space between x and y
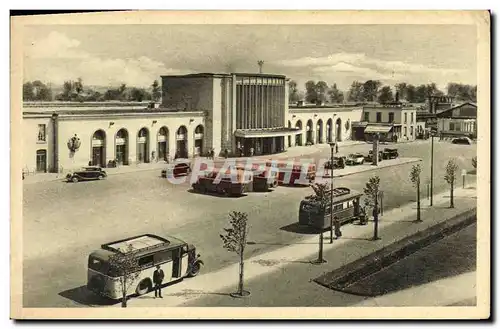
41, 161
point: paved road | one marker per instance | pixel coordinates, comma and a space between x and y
64, 222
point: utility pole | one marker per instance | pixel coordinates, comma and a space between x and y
332, 146
432, 164
260, 63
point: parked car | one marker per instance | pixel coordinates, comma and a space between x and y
180, 167
462, 140
390, 153
355, 159
338, 163
86, 173
369, 157
227, 185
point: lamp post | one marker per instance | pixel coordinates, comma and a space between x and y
332, 146
432, 165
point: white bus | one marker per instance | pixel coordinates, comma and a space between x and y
175, 257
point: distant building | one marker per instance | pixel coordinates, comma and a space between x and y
391, 122
460, 120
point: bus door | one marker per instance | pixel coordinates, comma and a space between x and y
176, 263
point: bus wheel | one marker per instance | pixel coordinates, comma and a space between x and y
195, 270
74, 180
143, 287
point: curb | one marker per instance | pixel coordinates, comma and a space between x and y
341, 279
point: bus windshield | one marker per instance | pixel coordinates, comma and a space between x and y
98, 265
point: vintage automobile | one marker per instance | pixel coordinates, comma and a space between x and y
369, 157
175, 257
388, 153
263, 178
346, 209
355, 159
462, 140
228, 184
180, 167
86, 173
338, 163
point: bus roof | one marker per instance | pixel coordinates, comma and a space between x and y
142, 244
341, 194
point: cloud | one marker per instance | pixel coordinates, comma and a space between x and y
57, 58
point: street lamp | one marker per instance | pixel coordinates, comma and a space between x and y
332, 146
432, 164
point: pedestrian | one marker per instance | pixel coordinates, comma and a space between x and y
336, 224
226, 153
158, 277
336, 148
251, 151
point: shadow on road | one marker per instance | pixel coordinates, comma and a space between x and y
82, 295
218, 195
277, 243
301, 229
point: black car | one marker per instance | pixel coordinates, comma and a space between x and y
176, 169
390, 153
369, 157
462, 140
86, 173
338, 163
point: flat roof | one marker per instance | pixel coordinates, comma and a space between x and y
142, 244
214, 75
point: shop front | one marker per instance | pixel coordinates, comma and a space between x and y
261, 141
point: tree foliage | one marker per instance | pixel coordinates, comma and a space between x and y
371, 191
125, 265
235, 236
451, 172
355, 93
335, 95
321, 195
462, 92
415, 172
155, 91
293, 92
370, 90
36, 91
385, 95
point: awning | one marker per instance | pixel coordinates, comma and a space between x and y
371, 129
258, 133
359, 124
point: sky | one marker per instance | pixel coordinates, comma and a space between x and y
108, 55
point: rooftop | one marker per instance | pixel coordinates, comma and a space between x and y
215, 75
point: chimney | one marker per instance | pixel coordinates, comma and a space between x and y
260, 63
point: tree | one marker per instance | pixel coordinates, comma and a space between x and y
370, 90
411, 94
450, 177
293, 92
311, 92
156, 91
474, 162
420, 94
138, 95
385, 95
78, 86
321, 197
28, 94
415, 179
402, 90
355, 93
336, 96
235, 240
462, 92
371, 191
321, 91
125, 266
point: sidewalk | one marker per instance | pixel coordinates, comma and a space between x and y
48, 177
296, 151
283, 277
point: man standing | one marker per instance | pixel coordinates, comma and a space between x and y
158, 277
337, 225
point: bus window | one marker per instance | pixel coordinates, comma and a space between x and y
338, 207
163, 256
97, 264
146, 261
